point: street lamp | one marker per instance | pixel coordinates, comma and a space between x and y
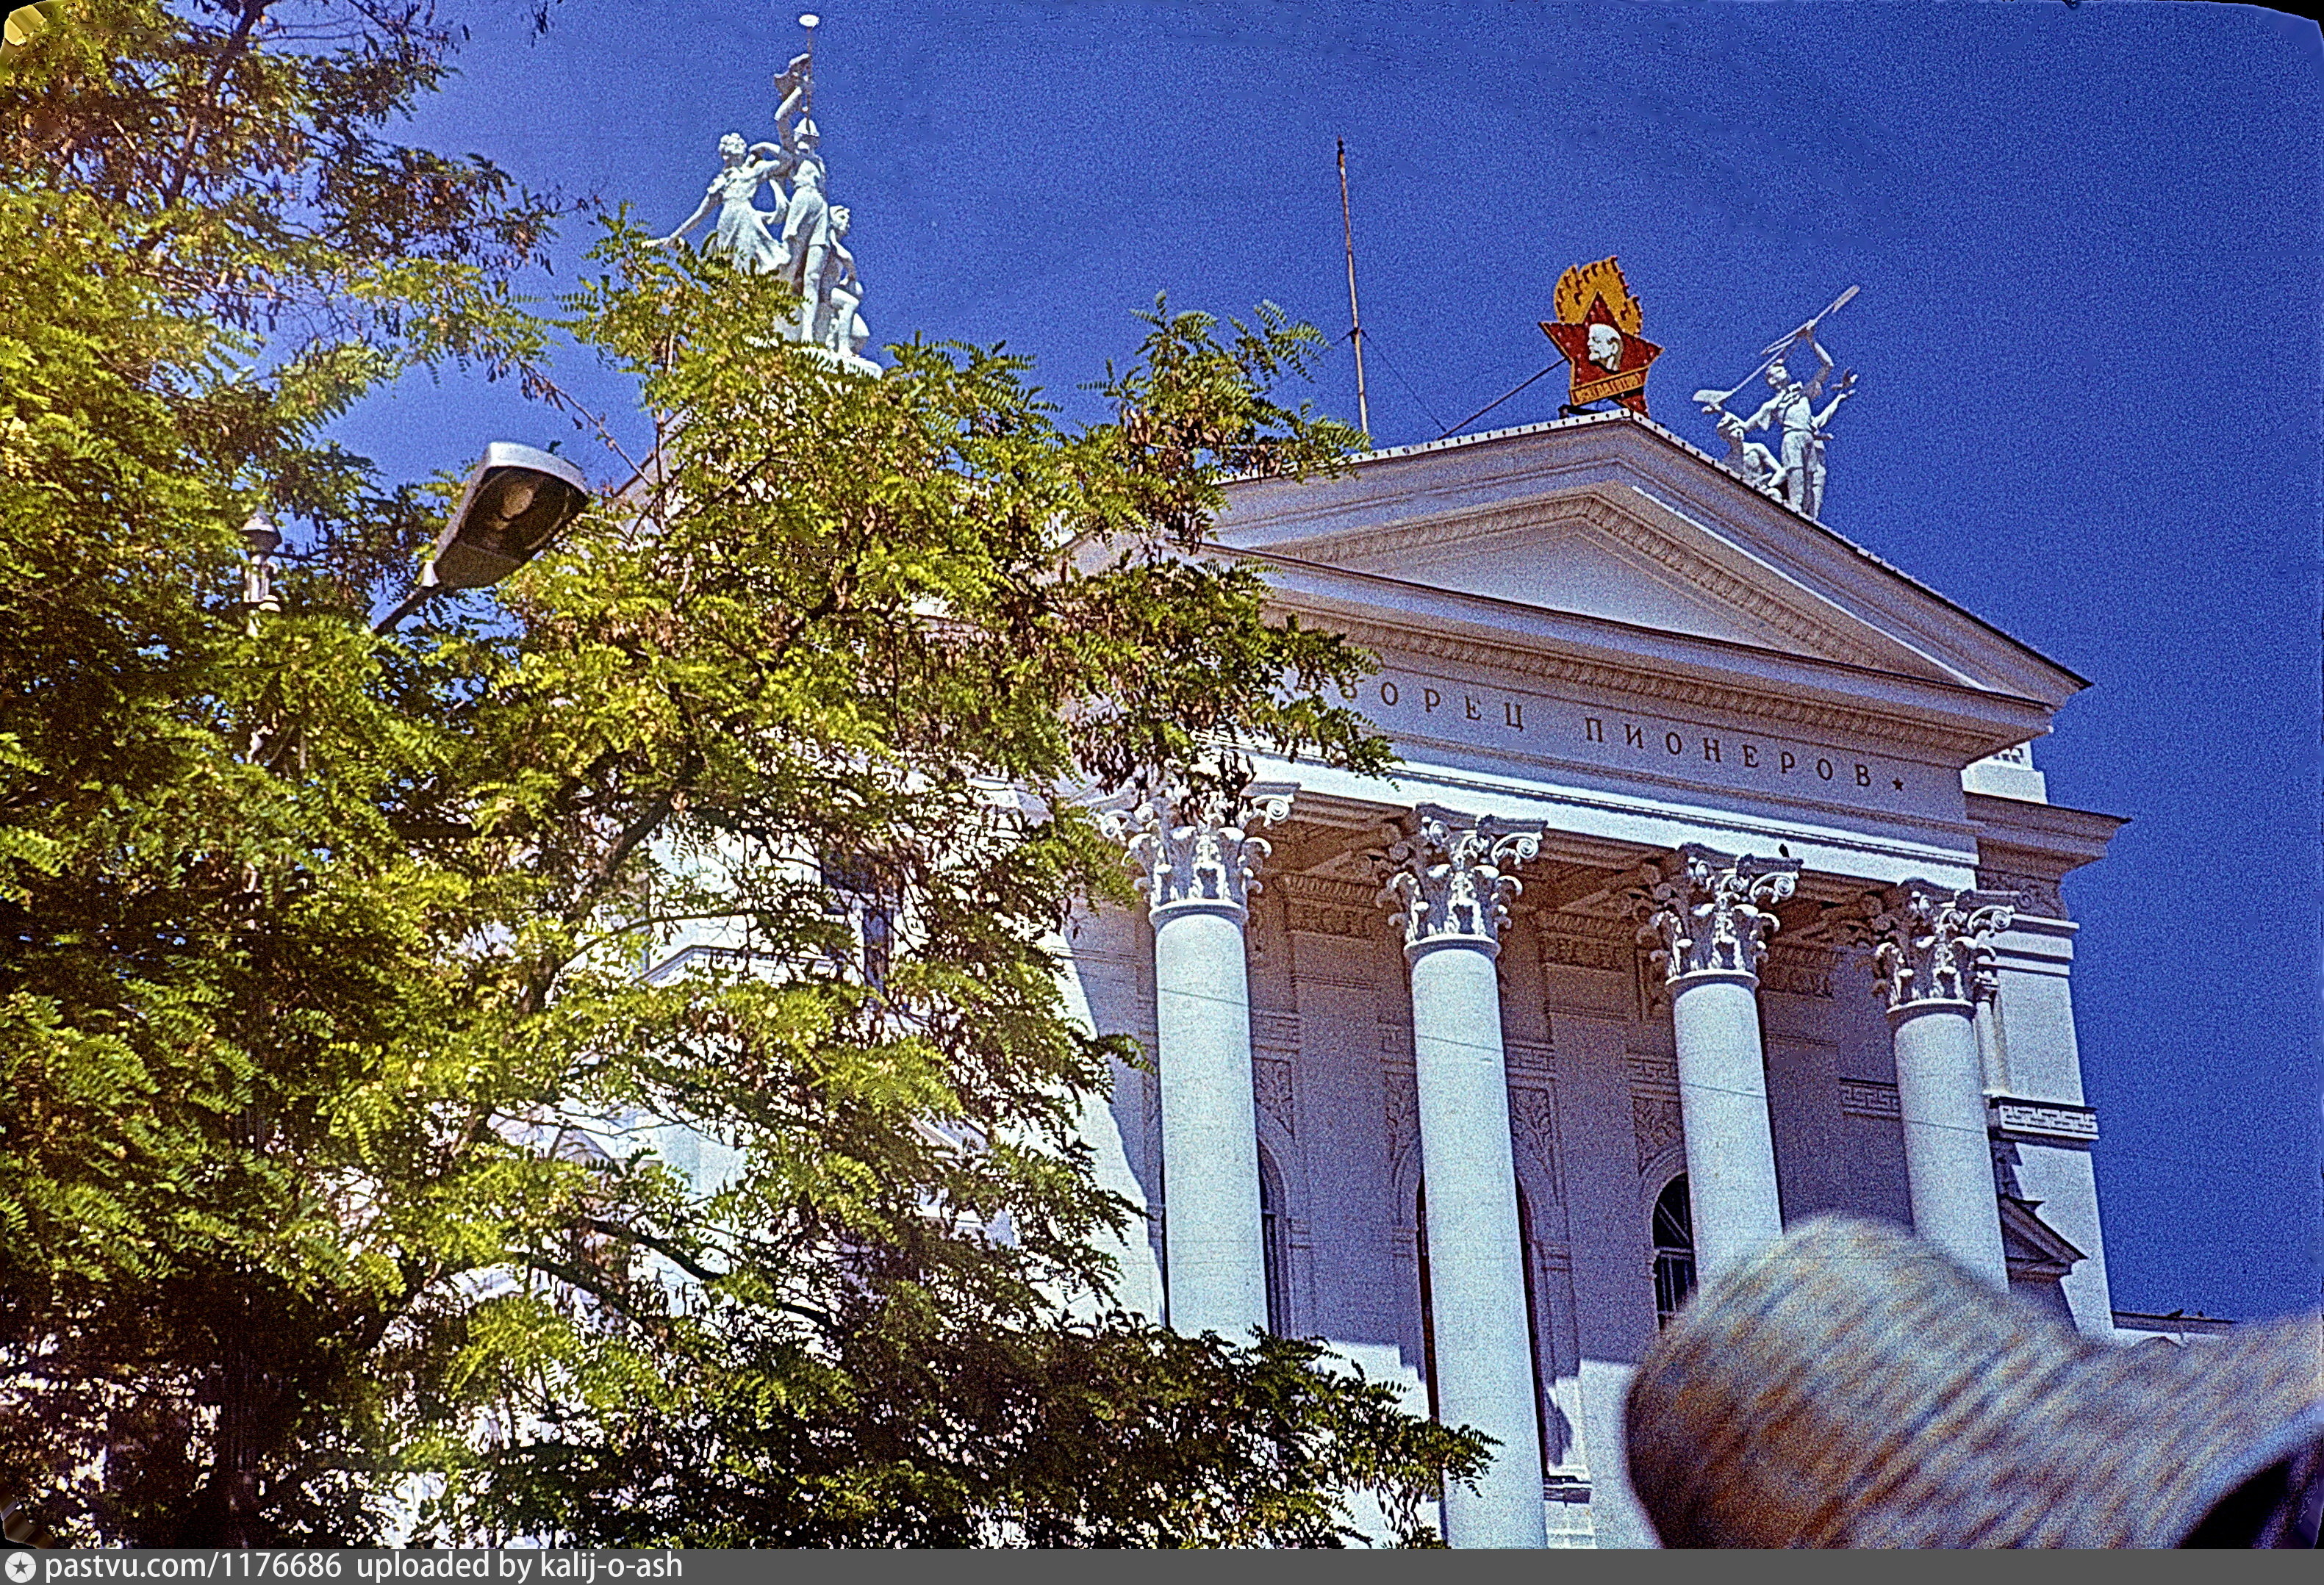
516, 501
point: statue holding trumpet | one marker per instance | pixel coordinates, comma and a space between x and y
1797, 474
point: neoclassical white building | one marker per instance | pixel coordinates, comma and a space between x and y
1715, 887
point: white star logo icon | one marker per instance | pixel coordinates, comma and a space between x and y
20, 1567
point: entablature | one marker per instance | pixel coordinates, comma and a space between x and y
1585, 660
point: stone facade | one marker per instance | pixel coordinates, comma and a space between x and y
1714, 849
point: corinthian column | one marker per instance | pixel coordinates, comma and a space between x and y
1708, 920
1932, 955
1197, 872
1446, 887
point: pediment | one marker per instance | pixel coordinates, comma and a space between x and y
1602, 552
1615, 520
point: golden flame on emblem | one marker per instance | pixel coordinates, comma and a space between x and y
1582, 282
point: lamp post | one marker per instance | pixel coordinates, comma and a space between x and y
516, 501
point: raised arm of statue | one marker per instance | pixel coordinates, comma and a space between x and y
795, 89
797, 76
701, 213
1847, 389
1814, 387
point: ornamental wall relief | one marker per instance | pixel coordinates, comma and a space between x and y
1271, 1088
1533, 1129
1401, 1095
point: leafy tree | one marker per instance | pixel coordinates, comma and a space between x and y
336, 1173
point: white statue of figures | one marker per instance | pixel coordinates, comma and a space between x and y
799, 238
743, 236
841, 292
806, 224
1748, 460
1791, 405
1797, 474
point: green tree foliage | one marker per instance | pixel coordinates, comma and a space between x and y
340, 1164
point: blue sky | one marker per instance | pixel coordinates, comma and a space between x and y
2088, 338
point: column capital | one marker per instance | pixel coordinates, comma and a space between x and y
1190, 859
1710, 913
1443, 881
1933, 945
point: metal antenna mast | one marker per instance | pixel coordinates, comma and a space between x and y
1355, 315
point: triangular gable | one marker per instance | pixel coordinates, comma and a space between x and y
1614, 553
1612, 518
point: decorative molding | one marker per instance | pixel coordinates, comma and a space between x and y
1930, 945
1275, 1031
1651, 1075
1527, 1057
1561, 947
1717, 699
1328, 889
1868, 1098
1711, 913
1658, 1126
1270, 1079
1319, 904
1463, 896
1533, 1126
1188, 857
1716, 581
2042, 1119
1307, 978
2039, 894
1318, 919
1799, 971
1553, 1254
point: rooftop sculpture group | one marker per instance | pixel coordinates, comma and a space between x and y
804, 237
1796, 473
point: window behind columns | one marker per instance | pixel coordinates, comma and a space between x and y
1274, 1245
1533, 1324
1674, 1250
1532, 1310
854, 894
1427, 1303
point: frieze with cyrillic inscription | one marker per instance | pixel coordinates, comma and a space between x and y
1625, 740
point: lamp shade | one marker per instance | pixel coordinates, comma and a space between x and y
516, 501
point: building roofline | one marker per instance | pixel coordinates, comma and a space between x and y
1679, 443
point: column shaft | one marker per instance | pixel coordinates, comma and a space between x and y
1948, 1158
1933, 958
1217, 1274
1710, 916
1198, 872
1446, 886
1476, 1252
1730, 1146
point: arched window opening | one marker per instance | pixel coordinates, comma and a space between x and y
1533, 1325
1274, 1246
1532, 1310
1427, 1303
1674, 1250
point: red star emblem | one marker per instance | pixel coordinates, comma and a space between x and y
1591, 380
